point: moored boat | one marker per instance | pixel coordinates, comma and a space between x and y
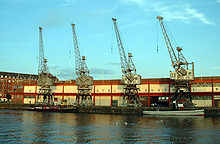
53, 109
176, 113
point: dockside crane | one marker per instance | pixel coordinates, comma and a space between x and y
83, 80
182, 74
129, 77
45, 79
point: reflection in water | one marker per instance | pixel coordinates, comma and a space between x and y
38, 127
81, 127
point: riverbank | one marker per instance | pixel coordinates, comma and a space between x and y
209, 112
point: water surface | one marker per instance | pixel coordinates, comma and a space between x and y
45, 127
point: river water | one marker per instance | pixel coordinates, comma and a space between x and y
42, 127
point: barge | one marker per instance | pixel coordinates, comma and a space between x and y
176, 113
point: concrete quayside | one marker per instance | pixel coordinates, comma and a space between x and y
107, 109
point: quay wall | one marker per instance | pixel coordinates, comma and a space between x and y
209, 112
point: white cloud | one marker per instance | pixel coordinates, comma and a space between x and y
181, 12
68, 3
216, 68
218, 1
139, 2
172, 11
198, 15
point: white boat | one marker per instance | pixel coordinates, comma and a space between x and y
176, 113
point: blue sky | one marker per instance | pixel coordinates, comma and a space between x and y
194, 24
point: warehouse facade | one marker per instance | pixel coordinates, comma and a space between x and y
153, 92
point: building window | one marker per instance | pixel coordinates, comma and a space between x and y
145, 90
158, 89
109, 90
97, 90
9, 81
5, 80
152, 90
216, 88
9, 86
103, 90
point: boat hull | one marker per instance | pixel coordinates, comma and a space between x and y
176, 113
47, 109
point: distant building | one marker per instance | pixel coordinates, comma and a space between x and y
14, 83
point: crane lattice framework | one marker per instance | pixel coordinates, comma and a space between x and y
84, 82
45, 80
182, 74
129, 78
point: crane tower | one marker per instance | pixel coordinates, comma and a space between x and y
83, 80
129, 78
45, 80
182, 74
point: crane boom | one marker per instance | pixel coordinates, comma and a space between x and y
80, 65
168, 43
123, 57
179, 63
41, 51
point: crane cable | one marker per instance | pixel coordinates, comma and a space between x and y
157, 34
170, 33
112, 40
